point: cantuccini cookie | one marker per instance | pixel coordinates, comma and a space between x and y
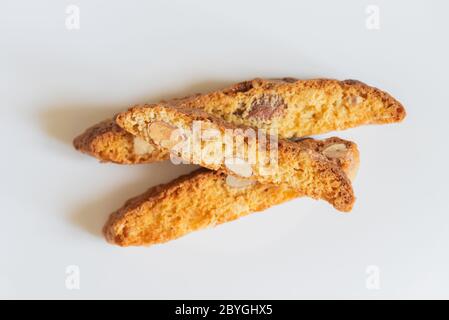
296, 108
189, 203
274, 162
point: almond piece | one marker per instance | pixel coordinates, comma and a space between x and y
266, 107
239, 167
142, 147
355, 100
336, 151
164, 134
238, 183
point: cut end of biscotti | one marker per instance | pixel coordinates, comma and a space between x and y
345, 155
342, 152
107, 142
332, 184
389, 110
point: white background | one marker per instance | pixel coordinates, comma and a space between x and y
55, 82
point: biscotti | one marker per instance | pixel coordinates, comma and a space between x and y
296, 108
207, 198
297, 165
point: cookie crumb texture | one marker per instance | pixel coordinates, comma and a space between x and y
189, 203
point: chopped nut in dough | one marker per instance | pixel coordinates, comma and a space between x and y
142, 147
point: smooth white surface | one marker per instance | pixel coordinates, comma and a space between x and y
55, 82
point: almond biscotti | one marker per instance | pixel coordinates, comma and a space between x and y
277, 162
189, 203
296, 108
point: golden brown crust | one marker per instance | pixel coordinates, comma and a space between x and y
308, 107
189, 203
297, 165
